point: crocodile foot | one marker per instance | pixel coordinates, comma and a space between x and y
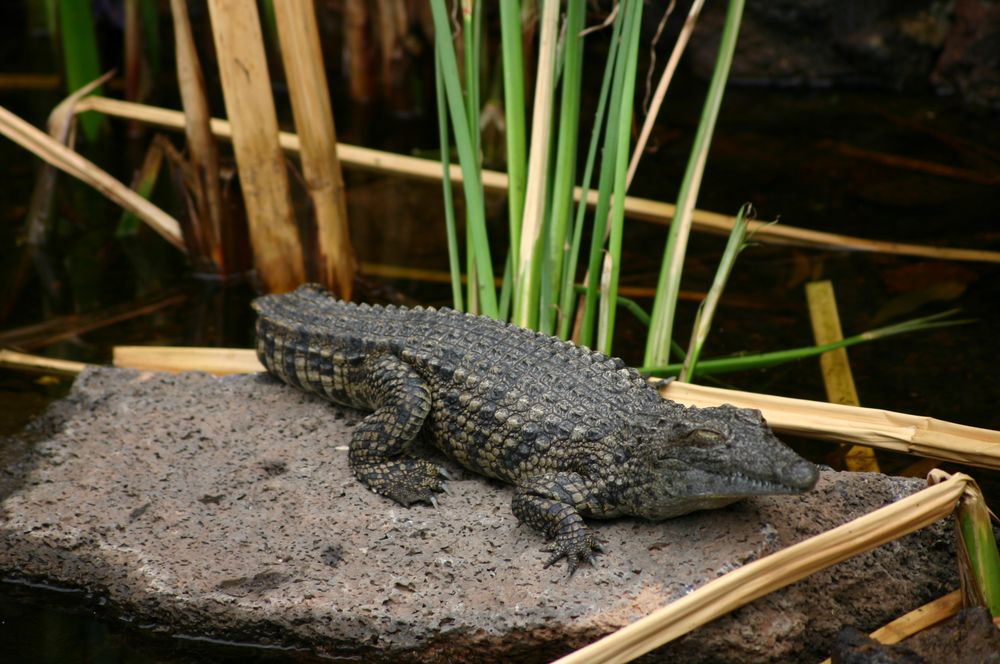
406, 481
576, 546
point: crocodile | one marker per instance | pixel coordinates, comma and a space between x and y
577, 433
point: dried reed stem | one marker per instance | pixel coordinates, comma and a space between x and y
10, 359
917, 620
246, 87
636, 208
60, 156
661, 87
835, 366
202, 151
307, 85
173, 359
526, 282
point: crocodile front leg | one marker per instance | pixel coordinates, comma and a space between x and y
400, 400
550, 503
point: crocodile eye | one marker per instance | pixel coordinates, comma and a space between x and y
706, 438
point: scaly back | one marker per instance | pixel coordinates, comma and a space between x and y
495, 360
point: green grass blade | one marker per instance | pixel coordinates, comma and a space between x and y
454, 260
470, 51
512, 52
596, 255
528, 268
605, 182
472, 40
565, 169
468, 159
980, 547
706, 312
759, 361
630, 41
506, 289
567, 301
668, 285
80, 56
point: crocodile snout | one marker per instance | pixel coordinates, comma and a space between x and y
800, 474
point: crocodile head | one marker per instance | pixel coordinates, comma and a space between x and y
699, 458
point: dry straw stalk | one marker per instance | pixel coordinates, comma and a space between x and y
246, 87
166, 358
307, 86
538, 169
52, 151
637, 208
835, 366
25, 362
919, 619
202, 151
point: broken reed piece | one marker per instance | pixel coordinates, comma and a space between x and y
917, 620
221, 361
203, 153
836, 368
11, 359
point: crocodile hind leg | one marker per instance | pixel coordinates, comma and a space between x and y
400, 400
550, 503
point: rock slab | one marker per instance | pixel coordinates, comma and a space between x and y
224, 507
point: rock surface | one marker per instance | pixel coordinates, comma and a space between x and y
224, 507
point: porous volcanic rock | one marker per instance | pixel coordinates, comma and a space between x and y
224, 507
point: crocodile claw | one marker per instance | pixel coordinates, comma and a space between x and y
576, 547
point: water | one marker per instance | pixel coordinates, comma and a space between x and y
44, 624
